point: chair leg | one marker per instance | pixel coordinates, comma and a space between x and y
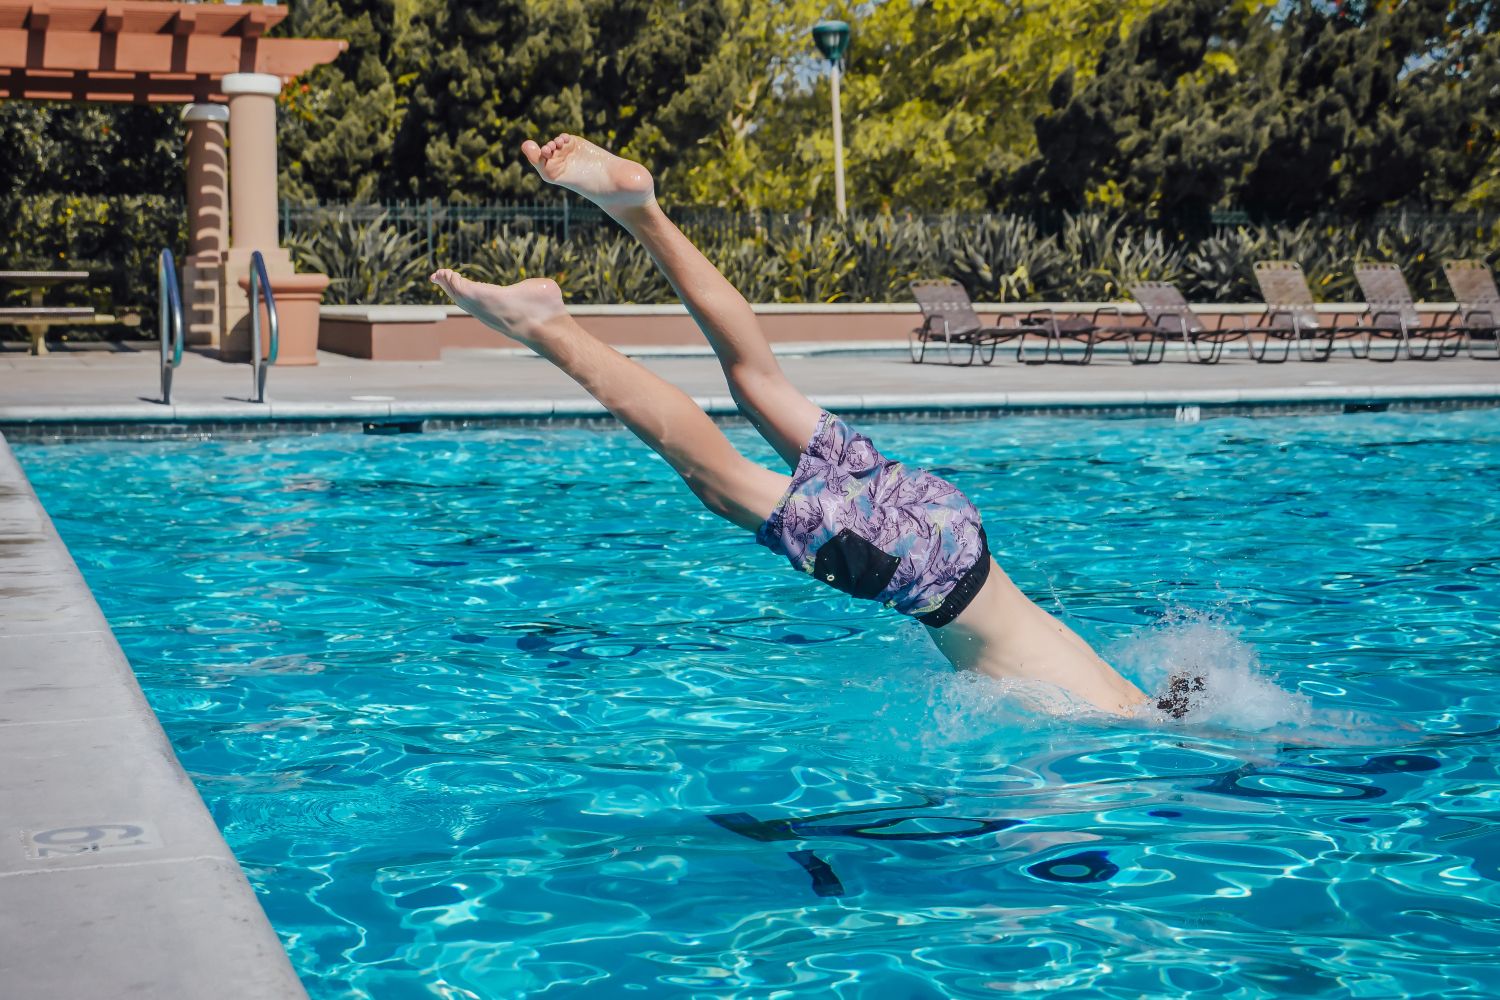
1494, 343
1021, 350
1308, 348
1396, 350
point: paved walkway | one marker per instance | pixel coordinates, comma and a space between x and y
123, 385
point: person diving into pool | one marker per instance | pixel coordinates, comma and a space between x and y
850, 517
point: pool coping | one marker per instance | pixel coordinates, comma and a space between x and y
26, 422
114, 877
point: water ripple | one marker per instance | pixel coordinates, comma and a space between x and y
503, 713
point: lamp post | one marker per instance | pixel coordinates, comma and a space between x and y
832, 38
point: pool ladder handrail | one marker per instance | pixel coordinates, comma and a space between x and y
169, 320
260, 285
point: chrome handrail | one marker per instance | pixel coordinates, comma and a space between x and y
260, 285
169, 320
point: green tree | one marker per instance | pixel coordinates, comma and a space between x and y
338, 122
89, 149
484, 78
938, 97
1284, 110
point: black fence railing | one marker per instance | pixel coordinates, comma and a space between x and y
451, 232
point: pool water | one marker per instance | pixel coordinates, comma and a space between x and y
503, 713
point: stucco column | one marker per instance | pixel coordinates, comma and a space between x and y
253, 203
208, 221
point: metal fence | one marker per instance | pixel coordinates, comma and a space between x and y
455, 232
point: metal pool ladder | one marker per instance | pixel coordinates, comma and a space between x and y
260, 286
169, 320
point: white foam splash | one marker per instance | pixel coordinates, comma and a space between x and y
1237, 692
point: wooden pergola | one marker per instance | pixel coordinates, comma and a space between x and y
216, 59
144, 51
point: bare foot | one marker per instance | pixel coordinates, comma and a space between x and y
519, 311
609, 181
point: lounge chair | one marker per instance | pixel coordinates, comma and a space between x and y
948, 318
1478, 301
1090, 333
1390, 314
1291, 316
1169, 314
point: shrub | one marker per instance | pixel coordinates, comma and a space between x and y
116, 238
518, 252
748, 265
1001, 258
1106, 256
889, 254
366, 260
615, 268
816, 260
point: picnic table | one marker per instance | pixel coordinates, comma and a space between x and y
36, 317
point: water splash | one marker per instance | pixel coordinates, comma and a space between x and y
1238, 693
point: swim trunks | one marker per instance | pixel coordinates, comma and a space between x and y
878, 530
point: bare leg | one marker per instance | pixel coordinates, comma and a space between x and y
659, 413
783, 415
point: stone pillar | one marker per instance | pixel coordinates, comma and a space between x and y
208, 222
253, 203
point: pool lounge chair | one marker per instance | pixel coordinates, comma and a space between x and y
948, 318
1390, 314
1478, 301
1090, 333
1170, 315
1291, 316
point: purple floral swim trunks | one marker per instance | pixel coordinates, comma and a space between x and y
878, 530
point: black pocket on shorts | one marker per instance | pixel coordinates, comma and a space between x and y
853, 565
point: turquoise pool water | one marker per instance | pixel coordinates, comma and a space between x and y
502, 714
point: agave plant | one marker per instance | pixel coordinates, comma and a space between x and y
816, 259
617, 269
1420, 246
367, 261
1108, 256
1001, 258
517, 253
888, 255
1220, 267
748, 265
1327, 252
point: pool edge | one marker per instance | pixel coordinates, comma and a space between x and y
113, 875
32, 423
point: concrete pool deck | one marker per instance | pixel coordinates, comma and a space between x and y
119, 387
113, 877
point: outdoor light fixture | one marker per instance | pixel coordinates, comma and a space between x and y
832, 38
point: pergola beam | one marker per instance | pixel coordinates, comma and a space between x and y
144, 51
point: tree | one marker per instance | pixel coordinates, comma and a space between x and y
1283, 109
487, 77
938, 97
338, 122
89, 149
